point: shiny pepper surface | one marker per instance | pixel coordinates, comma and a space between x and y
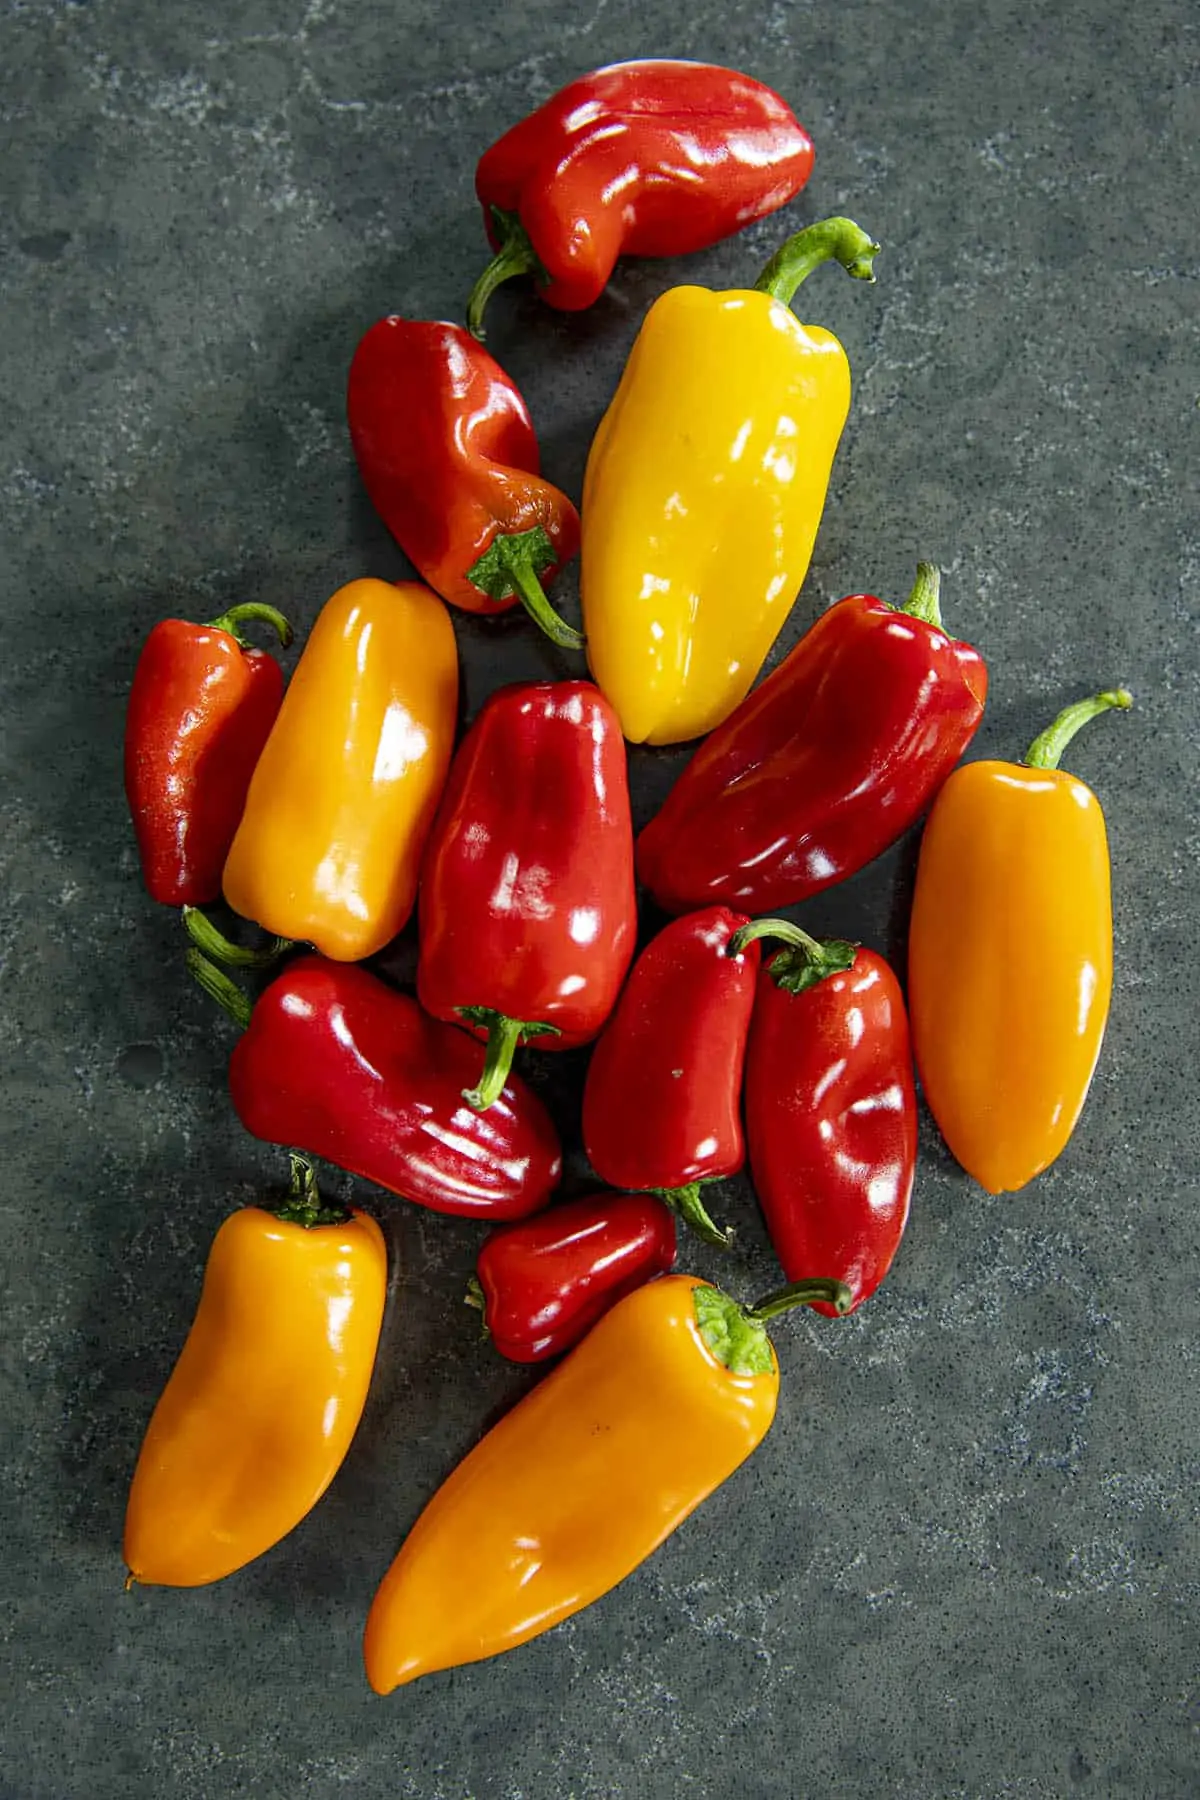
267, 1394
329, 846
581, 1481
704, 490
1010, 956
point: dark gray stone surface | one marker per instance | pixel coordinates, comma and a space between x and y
964, 1563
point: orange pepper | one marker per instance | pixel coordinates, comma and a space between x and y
260, 1409
664, 1398
1010, 955
344, 794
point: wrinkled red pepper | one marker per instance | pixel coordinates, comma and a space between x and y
528, 913
448, 455
334, 1062
650, 158
200, 710
661, 1104
831, 1108
543, 1283
825, 764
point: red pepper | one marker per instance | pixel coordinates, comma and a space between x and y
335, 1063
831, 1108
542, 1284
824, 765
447, 453
651, 158
528, 913
661, 1105
200, 710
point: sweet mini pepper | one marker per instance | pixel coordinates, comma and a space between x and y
329, 846
704, 490
528, 915
584, 1478
448, 455
648, 158
825, 764
259, 1412
200, 710
1010, 955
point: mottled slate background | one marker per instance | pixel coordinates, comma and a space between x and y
964, 1562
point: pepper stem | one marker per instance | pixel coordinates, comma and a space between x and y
925, 600
504, 1035
218, 987
302, 1204
248, 611
511, 565
216, 945
816, 1291
516, 256
691, 1209
1046, 749
794, 261
805, 962
476, 1297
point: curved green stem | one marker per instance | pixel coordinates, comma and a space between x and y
925, 600
816, 1291
687, 1203
216, 945
253, 610
302, 1204
504, 1035
511, 565
218, 987
516, 256
838, 239
1047, 748
807, 959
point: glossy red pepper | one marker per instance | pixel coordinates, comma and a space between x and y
649, 158
662, 1101
822, 766
543, 1283
334, 1062
200, 710
447, 453
528, 914
831, 1108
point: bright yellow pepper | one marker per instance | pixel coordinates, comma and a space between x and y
705, 487
344, 794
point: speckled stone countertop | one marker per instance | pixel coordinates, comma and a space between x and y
964, 1563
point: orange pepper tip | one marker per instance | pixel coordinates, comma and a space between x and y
130, 1581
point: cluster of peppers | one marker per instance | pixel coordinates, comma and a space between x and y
323, 813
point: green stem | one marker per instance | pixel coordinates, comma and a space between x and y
216, 945
1046, 749
248, 611
794, 261
516, 256
476, 1297
504, 1035
303, 1204
687, 1203
737, 1335
511, 564
925, 600
816, 1291
218, 987
807, 959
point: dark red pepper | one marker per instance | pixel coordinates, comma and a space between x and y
661, 1105
200, 710
651, 158
542, 1284
831, 1108
527, 911
822, 767
448, 455
334, 1062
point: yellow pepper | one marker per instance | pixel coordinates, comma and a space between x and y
345, 791
1010, 955
705, 487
